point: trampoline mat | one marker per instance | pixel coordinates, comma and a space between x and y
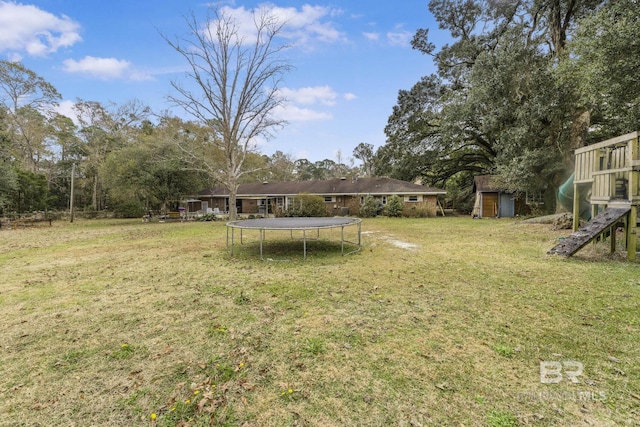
293, 223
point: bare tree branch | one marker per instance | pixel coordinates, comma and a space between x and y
234, 88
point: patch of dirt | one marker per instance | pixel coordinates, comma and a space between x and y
400, 244
395, 242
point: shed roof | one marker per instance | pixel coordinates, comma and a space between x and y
348, 186
486, 183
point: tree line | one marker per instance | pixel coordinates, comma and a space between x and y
127, 158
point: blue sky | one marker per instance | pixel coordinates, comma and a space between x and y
349, 59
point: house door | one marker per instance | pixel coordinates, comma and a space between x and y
489, 205
238, 205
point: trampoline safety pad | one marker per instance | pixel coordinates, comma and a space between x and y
293, 224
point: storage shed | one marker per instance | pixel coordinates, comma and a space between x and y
492, 201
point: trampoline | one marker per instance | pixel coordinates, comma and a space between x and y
305, 225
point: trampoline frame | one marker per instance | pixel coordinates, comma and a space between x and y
295, 224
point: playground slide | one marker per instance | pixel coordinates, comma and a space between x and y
565, 197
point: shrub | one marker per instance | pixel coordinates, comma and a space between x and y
306, 205
90, 213
419, 211
394, 207
56, 215
129, 209
370, 208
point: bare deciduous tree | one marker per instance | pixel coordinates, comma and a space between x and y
235, 80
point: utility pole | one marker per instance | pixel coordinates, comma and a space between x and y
73, 175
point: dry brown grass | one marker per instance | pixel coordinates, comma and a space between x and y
439, 321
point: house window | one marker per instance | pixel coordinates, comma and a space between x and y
534, 198
384, 200
329, 199
412, 199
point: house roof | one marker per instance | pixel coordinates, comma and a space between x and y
348, 186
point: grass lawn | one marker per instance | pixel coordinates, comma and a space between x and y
441, 321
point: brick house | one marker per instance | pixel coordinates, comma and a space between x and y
342, 196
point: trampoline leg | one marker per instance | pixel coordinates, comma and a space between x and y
261, 238
342, 240
304, 244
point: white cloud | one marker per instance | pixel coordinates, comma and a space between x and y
310, 95
26, 28
371, 36
299, 103
139, 76
104, 68
66, 109
402, 38
302, 27
14, 57
292, 113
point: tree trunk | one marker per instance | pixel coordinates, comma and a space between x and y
94, 196
233, 215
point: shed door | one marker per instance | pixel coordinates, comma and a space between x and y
507, 205
489, 205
